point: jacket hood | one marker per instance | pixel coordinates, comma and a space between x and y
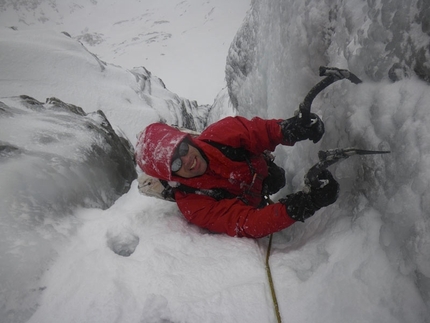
155, 148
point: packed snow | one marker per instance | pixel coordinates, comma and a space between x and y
364, 259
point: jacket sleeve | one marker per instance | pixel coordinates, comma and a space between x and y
255, 135
232, 216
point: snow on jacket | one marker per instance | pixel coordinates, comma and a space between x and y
240, 216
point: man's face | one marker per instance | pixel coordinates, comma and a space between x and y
193, 163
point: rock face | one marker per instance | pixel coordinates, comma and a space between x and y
80, 154
53, 158
172, 108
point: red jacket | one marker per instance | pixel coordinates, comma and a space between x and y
235, 217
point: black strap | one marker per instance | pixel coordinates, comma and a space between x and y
216, 193
232, 153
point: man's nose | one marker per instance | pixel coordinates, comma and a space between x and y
184, 159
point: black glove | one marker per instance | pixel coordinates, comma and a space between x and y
301, 205
275, 180
294, 130
328, 192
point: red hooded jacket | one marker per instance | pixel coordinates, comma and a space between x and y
238, 216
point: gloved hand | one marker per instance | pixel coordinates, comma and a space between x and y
294, 130
302, 205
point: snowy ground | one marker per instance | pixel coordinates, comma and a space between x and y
364, 259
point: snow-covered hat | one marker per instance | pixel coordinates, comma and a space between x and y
155, 148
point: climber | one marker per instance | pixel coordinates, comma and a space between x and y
222, 177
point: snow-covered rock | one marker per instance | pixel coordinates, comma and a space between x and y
53, 158
69, 149
65, 68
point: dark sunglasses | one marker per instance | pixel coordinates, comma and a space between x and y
181, 152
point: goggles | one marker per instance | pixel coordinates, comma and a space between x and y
181, 152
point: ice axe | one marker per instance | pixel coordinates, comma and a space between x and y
332, 74
331, 156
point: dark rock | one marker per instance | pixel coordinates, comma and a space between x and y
79, 157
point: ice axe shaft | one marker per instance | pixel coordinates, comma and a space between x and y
332, 74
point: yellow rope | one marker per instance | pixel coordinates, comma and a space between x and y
269, 276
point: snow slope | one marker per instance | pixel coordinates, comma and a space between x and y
182, 41
363, 259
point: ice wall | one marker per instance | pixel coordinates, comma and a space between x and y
272, 64
282, 43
